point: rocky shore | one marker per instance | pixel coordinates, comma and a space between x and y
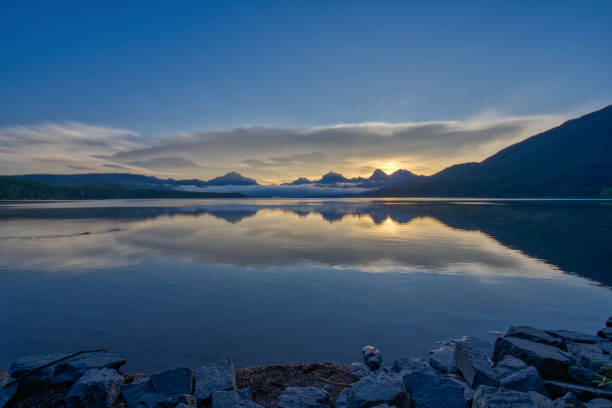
526, 367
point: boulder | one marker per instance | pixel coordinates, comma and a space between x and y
411, 364
303, 397
66, 371
342, 400
443, 360
584, 376
175, 381
551, 362
383, 388
533, 334
569, 400
141, 395
233, 399
359, 369
509, 365
605, 333
572, 336
97, 388
525, 380
473, 359
609, 322
593, 358
599, 403
372, 357
430, 390
6, 393
211, 378
539, 400
557, 389
491, 397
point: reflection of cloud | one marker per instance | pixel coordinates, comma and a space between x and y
268, 237
266, 153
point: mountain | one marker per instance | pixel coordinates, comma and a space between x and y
17, 188
332, 178
571, 160
232, 179
300, 181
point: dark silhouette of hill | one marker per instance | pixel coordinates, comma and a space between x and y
571, 160
13, 188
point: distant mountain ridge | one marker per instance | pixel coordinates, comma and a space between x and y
570, 160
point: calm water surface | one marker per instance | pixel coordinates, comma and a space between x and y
181, 282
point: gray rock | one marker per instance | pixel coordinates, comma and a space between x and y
609, 322
577, 348
383, 388
509, 365
303, 397
525, 380
183, 405
599, 403
342, 400
410, 364
472, 357
233, 399
551, 362
572, 336
6, 393
468, 393
533, 334
539, 400
211, 378
557, 389
359, 369
605, 346
65, 371
430, 390
490, 397
443, 360
175, 381
584, 376
605, 333
97, 388
569, 400
141, 395
372, 357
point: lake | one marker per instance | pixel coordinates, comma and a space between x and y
182, 282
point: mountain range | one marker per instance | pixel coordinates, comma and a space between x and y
571, 160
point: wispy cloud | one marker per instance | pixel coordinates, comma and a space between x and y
268, 153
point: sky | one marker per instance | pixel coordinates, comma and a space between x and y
276, 90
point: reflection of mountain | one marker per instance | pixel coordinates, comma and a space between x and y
575, 236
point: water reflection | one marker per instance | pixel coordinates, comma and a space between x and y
170, 283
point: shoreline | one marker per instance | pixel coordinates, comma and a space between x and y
526, 367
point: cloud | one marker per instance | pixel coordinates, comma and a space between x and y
267, 153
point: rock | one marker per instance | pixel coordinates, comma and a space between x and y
569, 400
65, 371
342, 400
525, 380
490, 397
566, 336
539, 400
468, 393
509, 365
211, 378
609, 322
472, 357
141, 395
97, 388
558, 389
372, 357
303, 397
411, 364
233, 399
183, 405
584, 376
6, 393
430, 390
599, 403
176, 381
359, 369
605, 333
592, 357
605, 346
551, 362
535, 335
443, 360
384, 388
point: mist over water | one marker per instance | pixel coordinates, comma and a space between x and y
181, 282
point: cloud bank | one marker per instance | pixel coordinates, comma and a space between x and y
268, 153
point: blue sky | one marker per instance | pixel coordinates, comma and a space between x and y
163, 69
